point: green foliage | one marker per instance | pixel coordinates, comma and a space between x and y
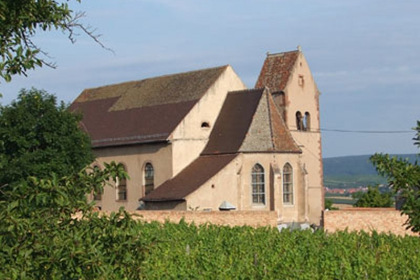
328, 204
373, 198
38, 138
20, 20
404, 177
50, 231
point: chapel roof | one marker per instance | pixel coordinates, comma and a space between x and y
250, 122
142, 111
276, 70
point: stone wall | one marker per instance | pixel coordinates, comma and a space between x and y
231, 218
367, 219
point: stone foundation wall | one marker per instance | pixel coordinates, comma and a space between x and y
231, 218
366, 219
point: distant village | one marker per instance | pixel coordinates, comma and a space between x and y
348, 191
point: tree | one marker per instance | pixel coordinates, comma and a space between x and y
373, 198
404, 177
38, 138
329, 204
48, 230
20, 20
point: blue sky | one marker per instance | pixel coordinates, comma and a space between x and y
364, 56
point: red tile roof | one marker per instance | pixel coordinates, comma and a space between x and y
281, 137
276, 70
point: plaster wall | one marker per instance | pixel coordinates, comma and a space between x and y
134, 159
221, 187
273, 168
233, 184
189, 138
304, 97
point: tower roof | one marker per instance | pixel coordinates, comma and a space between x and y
276, 70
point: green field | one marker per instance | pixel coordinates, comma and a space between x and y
340, 199
352, 181
353, 171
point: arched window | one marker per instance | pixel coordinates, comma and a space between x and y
307, 122
287, 184
97, 195
149, 177
299, 120
258, 187
122, 189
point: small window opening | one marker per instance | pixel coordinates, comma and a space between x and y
307, 122
301, 80
205, 125
299, 121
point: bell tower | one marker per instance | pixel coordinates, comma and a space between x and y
296, 95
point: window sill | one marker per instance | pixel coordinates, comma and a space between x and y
288, 205
259, 205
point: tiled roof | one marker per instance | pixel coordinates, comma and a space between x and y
141, 111
282, 139
268, 131
250, 122
190, 179
233, 122
276, 70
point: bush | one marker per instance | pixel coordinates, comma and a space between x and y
373, 198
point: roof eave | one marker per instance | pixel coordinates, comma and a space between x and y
108, 145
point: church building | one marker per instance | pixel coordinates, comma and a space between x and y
202, 141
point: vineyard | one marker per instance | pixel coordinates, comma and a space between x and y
179, 251
140, 250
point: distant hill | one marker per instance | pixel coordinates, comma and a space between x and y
353, 171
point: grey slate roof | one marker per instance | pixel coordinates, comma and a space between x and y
249, 121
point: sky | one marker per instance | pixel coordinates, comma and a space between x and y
364, 55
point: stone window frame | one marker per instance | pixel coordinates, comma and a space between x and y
149, 182
258, 194
289, 184
121, 188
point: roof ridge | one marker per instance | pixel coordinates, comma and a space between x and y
160, 76
270, 121
247, 90
280, 53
